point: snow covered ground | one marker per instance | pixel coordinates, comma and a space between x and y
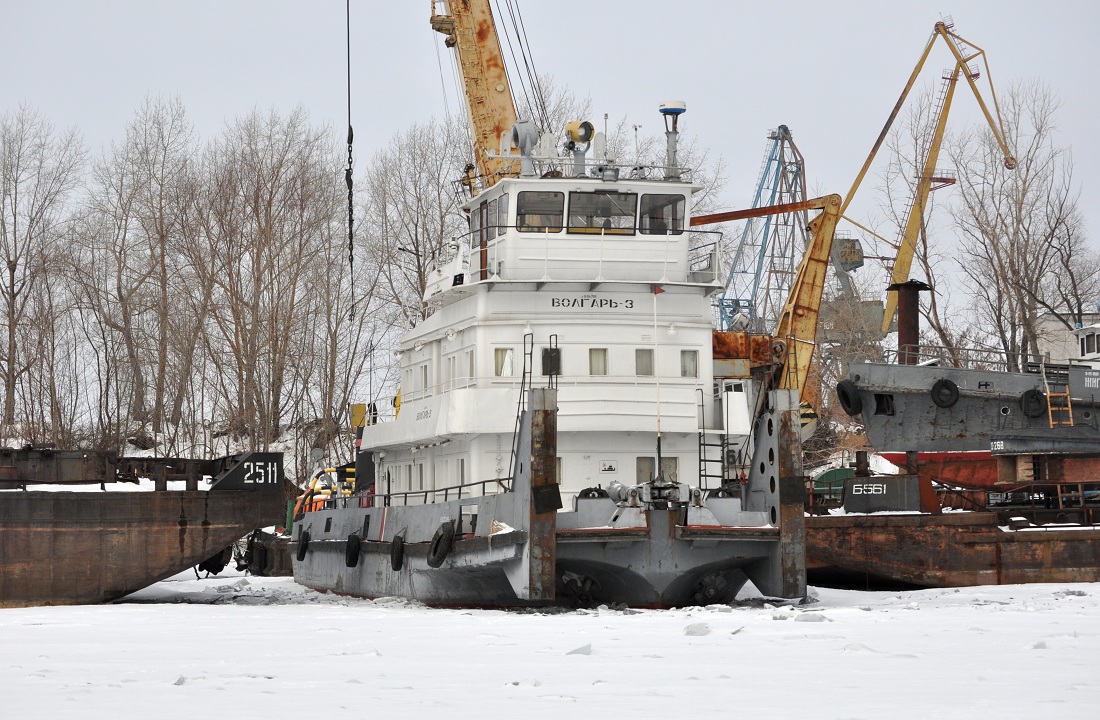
236, 647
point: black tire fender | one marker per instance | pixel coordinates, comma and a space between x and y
1033, 403
397, 552
351, 551
848, 395
303, 545
592, 493
441, 544
945, 393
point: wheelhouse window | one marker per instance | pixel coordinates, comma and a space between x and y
643, 362
475, 222
491, 219
502, 214
610, 213
662, 214
539, 211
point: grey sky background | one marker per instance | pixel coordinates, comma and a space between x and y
831, 71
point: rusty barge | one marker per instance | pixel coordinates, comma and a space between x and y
70, 546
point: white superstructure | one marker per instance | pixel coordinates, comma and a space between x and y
600, 275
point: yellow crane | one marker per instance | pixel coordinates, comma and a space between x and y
471, 31
964, 53
798, 320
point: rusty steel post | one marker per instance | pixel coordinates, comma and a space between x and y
862, 464
545, 496
909, 320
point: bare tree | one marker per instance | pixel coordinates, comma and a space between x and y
272, 193
1021, 231
413, 211
38, 170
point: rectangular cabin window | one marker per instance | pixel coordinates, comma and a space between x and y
491, 220
662, 214
452, 371
557, 470
689, 363
502, 214
470, 369
475, 223
1090, 343
597, 361
884, 404
422, 377
1082, 346
611, 213
540, 211
503, 362
643, 362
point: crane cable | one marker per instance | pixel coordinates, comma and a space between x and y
348, 177
528, 79
459, 88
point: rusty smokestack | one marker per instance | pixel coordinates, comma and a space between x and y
909, 320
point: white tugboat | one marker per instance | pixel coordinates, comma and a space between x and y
564, 432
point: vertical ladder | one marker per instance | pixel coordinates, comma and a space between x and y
1059, 404
1071, 495
524, 386
707, 461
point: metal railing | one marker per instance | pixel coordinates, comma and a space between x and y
427, 496
702, 263
967, 358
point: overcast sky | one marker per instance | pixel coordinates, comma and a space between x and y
830, 71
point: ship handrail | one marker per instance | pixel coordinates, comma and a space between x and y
381, 499
594, 169
991, 359
702, 266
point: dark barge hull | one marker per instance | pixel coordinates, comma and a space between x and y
74, 548
950, 550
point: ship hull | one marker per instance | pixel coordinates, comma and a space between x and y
655, 560
959, 421
72, 548
950, 550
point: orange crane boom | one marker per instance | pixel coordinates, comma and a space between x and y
471, 31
